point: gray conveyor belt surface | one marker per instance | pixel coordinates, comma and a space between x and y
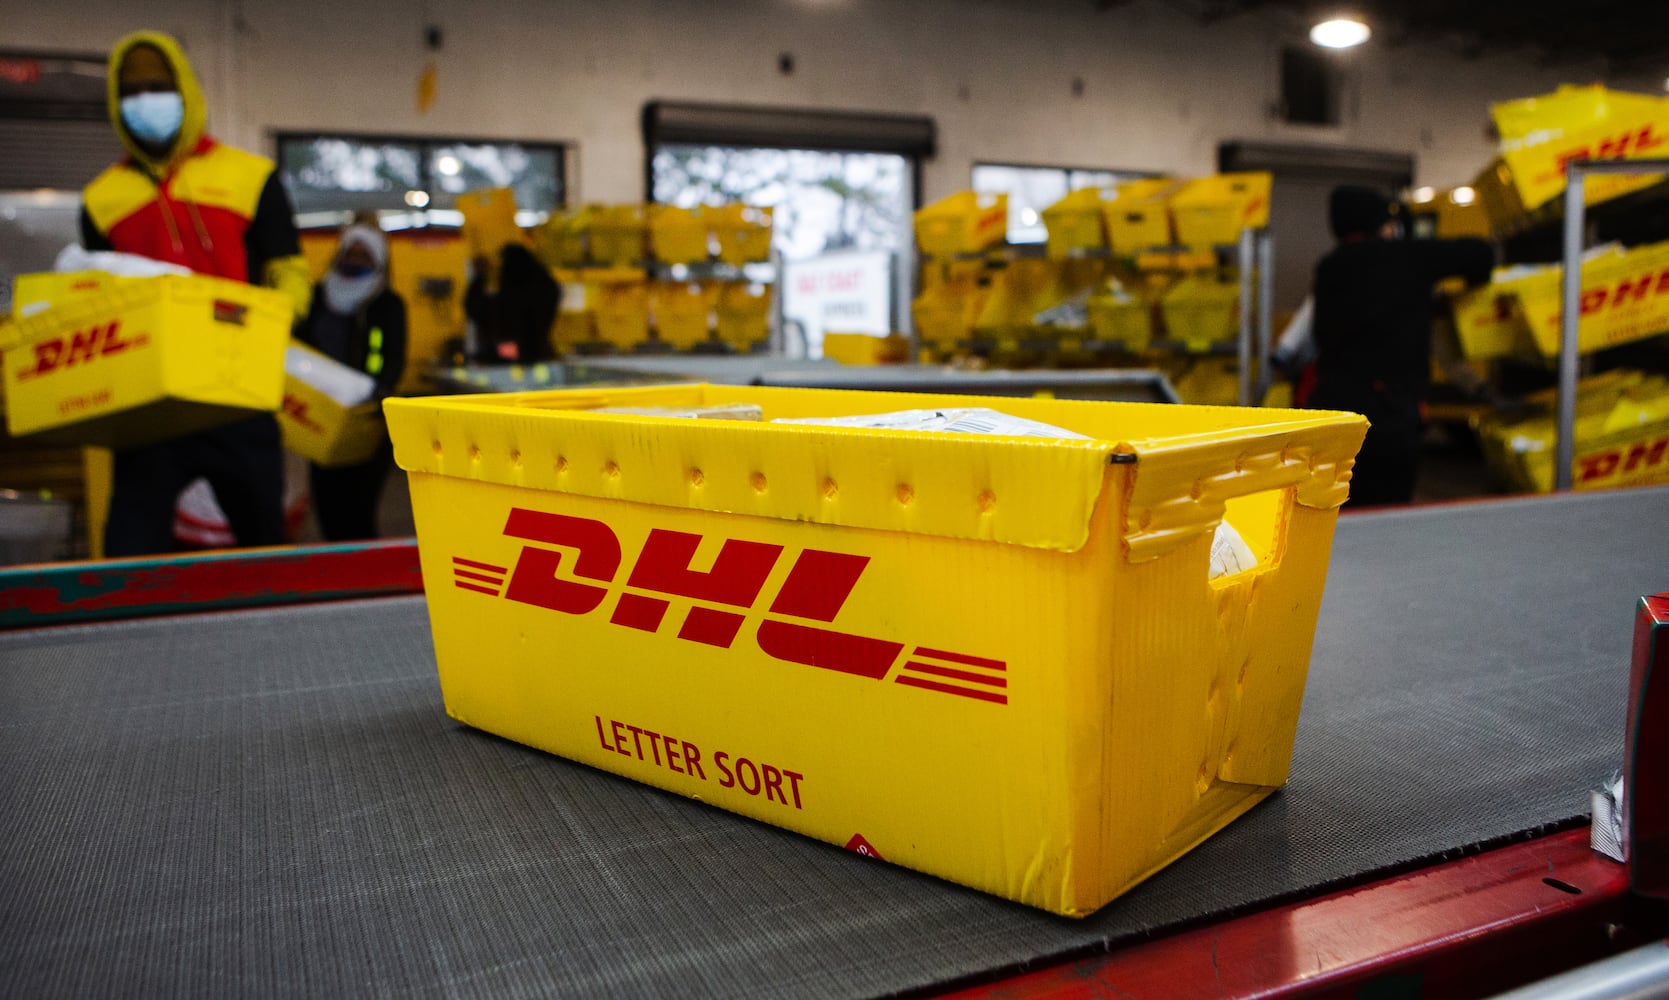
273, 802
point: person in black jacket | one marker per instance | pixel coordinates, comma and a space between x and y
1372, 327
513, 306
358, 320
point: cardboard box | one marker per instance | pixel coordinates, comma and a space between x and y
316, 419
996, 660
144, 360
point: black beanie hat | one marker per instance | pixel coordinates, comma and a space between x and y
1357, 211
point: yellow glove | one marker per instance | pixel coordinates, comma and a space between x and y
290, 276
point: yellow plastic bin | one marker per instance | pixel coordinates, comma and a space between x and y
1539, 135
963, 223
679, 235
1075, 223
622, 313
144, 360
1139, 217
682, 312
1621, 436
489, 220
944, 314
743, 232
561, 241
619, 235
1202, 309
743, 314
996, 660
1211, 211
1122, 319
314, 421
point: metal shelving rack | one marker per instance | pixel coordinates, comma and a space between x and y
1576, 172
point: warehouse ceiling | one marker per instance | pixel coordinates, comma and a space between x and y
1630, 35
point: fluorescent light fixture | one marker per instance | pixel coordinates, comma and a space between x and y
1340, 33
1422, 195
417, 199
448, 165
1463, 196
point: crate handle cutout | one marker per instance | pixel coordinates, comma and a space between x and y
1261, 520
1179, 493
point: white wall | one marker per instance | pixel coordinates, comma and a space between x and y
1161, 89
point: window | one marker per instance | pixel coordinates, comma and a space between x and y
1030, 190
1309, 88
328, 175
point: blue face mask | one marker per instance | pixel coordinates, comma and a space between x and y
154, 118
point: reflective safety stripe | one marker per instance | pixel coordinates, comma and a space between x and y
373, 359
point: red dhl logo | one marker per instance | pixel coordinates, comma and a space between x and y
1640, 457
816, 588
1618, 146
79, 348
295, 409
1638, 288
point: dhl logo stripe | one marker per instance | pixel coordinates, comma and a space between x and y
466, 570
919, 673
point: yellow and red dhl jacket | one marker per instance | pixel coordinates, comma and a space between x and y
211, 207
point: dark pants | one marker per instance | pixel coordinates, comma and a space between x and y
243, 464
345, 498
1389, 463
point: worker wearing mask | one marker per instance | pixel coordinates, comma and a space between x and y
182, 197
1372, 327
361, 322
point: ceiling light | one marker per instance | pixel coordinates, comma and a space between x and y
1028, 217
417, 199
1340, 33
1462, 196
1422, 195
448, 165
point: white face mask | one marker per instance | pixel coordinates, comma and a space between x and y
345, 295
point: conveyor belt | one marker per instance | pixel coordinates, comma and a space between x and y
273, 803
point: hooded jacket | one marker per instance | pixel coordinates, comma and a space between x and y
211, 207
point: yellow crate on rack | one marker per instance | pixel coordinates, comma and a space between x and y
562, 240
622, 313
898, 642
944, 314
963, 223
1539, 135
1122, 319
1212, 211
1140, 216
1624, 298
1202, 309
866, 348
314, 424
682, 312
489, 220
1075, 223
1621, 436
144, 360
678, 235
1487, 323
743, 314
743, 232
619, 235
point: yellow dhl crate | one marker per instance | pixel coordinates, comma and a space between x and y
963, 223
682, 311
314, 424
743, 314
866, 348
1625, 297
743, 232
622, 314
1540, 135
996, 660
489, 220
1140, 216
145, 360
619, 234
1122, 319
1202, 309
34, 293
1211, 211
561, 240
944, 314
1622, 437
679, 235
1075, 223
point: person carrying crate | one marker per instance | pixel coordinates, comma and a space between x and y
1372, 326
357, 320
181, 196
